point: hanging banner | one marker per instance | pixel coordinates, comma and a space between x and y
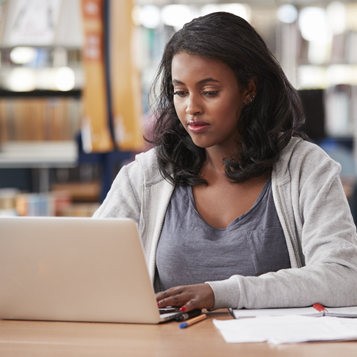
95, 131
125, 79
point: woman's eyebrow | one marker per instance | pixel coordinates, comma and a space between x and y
208, 80
201, 81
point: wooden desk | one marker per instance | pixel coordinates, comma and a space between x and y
35, 338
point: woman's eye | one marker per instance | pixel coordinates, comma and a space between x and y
210, 93
180, 93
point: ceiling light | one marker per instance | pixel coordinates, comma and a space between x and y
150, 16
21, 80
176, 15
287, 13
64, 79
22, 55
314, 25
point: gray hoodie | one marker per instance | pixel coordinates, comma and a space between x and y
313, 211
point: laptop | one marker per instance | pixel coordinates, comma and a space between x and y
75, 269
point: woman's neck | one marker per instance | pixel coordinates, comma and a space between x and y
214, 159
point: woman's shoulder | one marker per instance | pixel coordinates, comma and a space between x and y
298, 147
147, 164
304, 156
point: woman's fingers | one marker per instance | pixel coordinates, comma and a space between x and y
167, 293
171, 297
191, 305
188, 297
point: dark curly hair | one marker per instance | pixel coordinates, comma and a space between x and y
266, 125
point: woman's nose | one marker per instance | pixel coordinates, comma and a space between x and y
193, 105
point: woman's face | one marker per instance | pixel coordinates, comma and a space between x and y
207, 99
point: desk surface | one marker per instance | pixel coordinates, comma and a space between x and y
36, 338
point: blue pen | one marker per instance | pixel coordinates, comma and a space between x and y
193, 321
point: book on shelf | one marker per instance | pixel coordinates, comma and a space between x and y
316, 310
3, 122
39, 119
54, 203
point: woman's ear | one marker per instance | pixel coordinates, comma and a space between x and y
250, 91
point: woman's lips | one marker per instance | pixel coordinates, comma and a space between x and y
198, 126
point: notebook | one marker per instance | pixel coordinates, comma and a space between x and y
316, 310
75, 269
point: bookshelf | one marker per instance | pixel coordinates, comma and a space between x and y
37, 131
24, 154
41, 83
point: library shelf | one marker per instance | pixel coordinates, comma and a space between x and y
38, 154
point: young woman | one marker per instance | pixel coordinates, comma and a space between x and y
234, 207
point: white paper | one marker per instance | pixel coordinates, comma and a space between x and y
349, 323
285, 329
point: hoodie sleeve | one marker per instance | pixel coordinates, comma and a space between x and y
123, 199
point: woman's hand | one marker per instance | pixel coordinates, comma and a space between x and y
187, 297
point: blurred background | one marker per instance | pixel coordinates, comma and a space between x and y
75, 77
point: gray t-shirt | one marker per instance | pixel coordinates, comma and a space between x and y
190, 251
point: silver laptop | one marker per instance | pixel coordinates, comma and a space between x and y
75, 269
